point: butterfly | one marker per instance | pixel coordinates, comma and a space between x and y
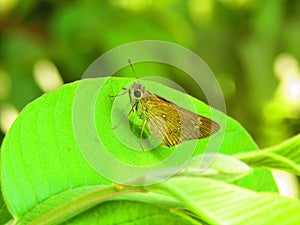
166, 121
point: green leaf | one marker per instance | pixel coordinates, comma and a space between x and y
62, 206
285, 156
39, 154
136, 213
4, 214
223, 167
42, 154
216, 202
104, 205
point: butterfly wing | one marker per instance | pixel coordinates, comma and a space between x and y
173, 124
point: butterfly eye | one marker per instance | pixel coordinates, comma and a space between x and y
137, 94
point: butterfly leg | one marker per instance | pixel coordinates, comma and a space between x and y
125, 91
141, 135
131, 110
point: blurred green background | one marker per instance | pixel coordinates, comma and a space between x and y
251, 46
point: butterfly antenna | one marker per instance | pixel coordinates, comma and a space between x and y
129, 61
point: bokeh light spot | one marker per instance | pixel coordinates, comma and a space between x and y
7, 5
287, 70
46, 75
8, 114
201, 11
132, 4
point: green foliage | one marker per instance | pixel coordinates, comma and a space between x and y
223, 167
40, 157
216, 202
4, 213
42, 170
282, 157
239, 40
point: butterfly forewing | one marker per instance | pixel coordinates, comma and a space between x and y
172, 124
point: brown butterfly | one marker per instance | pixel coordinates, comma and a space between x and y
167, 121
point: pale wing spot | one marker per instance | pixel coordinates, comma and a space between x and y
199, 121
198, 125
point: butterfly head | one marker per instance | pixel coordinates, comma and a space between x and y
136, 92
